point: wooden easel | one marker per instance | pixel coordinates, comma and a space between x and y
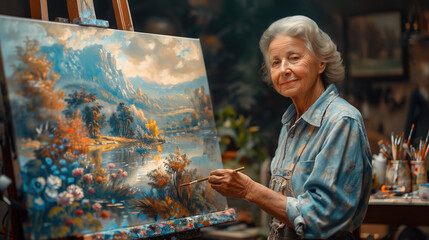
82, 12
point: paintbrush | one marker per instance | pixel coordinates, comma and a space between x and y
409, 135
205, 179
424, 147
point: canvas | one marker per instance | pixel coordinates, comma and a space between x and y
105, 126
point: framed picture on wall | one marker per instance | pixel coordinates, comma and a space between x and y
375, 50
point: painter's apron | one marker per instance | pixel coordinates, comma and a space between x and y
281, 182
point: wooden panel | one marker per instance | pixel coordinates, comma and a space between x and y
123, 15
39, 9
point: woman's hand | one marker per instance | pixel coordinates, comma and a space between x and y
230, 183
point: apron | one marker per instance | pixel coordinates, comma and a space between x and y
281, 182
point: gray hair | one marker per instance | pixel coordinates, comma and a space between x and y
316, 41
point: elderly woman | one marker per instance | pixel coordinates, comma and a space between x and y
321, 170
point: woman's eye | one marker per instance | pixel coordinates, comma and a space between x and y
275, 63
294, 58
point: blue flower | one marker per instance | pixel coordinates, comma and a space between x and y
38, 184
61, 147
75, 152
53, 167
80, 159
43, 166
39, 204
66, 140
54, 145
75, 164
63, 177
56, 172
63, 162
48, 160
70, 180
64, 170
52, 152
51, 135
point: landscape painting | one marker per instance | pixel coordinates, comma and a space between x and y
107, 124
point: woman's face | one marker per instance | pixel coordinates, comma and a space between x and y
295, 72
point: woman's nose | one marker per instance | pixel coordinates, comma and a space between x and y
284, 66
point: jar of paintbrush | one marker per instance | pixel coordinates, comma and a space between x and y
401, 157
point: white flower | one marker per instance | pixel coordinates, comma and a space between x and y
51, 194
76, 191
65, 199
54, 182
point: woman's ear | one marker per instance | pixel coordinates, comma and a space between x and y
322, 67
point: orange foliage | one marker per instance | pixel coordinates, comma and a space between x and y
74, 130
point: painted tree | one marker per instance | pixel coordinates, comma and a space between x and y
34, 82
152, 128
115, 124
126, 119
93, 120
76, 100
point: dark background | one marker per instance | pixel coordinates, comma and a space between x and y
229, 31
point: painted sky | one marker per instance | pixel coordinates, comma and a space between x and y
154, 58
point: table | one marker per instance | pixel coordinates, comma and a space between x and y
398, 211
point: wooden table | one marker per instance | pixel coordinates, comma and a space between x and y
396, 212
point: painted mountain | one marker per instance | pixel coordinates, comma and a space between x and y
107, 124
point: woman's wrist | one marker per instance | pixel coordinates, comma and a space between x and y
251, 191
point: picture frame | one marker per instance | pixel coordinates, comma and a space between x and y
375, 47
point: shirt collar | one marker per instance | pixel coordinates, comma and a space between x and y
314, 114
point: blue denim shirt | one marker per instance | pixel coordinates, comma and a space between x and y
332, 176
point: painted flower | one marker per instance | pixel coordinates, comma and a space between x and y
76, 191
75, 164
124, 174
90, 191
99, 179
88, 177
113, 175
38, 184
104, 215
39, 204
77, 172
51, 194
65, 199
120, 170
79, 212
54, 182
63, 162
111, 166
68, 222
97, 207
70, 180
48, 160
